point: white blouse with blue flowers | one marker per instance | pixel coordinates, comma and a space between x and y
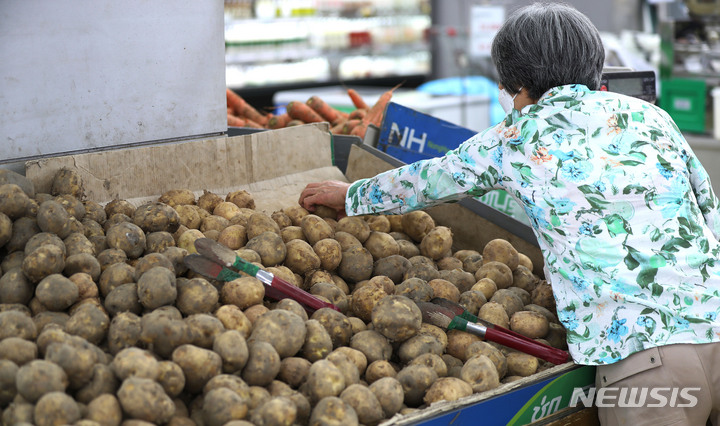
623, 210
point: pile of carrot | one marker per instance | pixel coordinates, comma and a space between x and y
314, 110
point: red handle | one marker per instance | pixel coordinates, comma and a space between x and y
287, 290
548, 353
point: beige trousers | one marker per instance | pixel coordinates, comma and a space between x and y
668, 385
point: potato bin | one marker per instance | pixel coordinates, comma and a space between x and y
198, 329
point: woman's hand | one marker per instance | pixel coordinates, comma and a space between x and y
330, 193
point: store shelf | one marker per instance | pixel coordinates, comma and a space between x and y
275, 43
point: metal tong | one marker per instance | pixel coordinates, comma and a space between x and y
217, 262
447, 316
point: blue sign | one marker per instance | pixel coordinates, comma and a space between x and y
410, 136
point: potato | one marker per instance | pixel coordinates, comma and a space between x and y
496, 271
500, 250
15, 287
199, 365
445, 289
396, 317
73, 206
127, 237
135, 362
521, 364
336, 324
436, 332
389, 392
494, 313
5, 229
42, 262
355, 226
157, 287
418, 345
331, 293
356, 264
145, 399
509, 300
486, 286
490, 351
324, 379
329, 252
177, 197
423, 271
378, 223
56, 408
256, 311
543, 296
105, 409
315, 228
416, 289
472, 301
301, 258
204, 328
89, 321
196, 296
522, 294
393, 266
417, 224
17, 350
243, 292
67, 181
284, 330
263, 364
189, 216
364, 300
40, 377
289, 233
77, 243
233, 318
364, 402
379, 369
318, 342
332, 410
458, 341
241, 198
556, 336
530, 324
346, 240
82, 263
156, 216
480, 372
294, 371
56, 292
447, 389
223, 405
437, 243
381, 244
124, 332
171, 378
19, 413
14, 201
233, 237
270, 247
103, 382
415, 380
208, 201
213, 223
22, 230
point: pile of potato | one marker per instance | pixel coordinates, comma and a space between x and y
102, 323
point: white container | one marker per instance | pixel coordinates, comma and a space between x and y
471, 111
716, 112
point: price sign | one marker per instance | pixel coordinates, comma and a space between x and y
485, 21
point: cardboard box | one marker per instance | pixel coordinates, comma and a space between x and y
275, 166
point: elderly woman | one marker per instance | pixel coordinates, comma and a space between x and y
623, 211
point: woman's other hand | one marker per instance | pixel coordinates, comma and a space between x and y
329, 193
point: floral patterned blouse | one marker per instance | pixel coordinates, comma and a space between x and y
623, 211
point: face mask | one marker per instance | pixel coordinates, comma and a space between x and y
507, 102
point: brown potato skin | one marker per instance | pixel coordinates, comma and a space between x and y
396, 317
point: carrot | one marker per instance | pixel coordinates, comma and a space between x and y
234, 100
360, 130
253, 124
325, 111
249, 112
356, 99
350, 125
358, 113
375, 114
278, 121
337, 128
235, 121
301, 111
295, 123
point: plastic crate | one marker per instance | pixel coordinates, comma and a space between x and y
684, 100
